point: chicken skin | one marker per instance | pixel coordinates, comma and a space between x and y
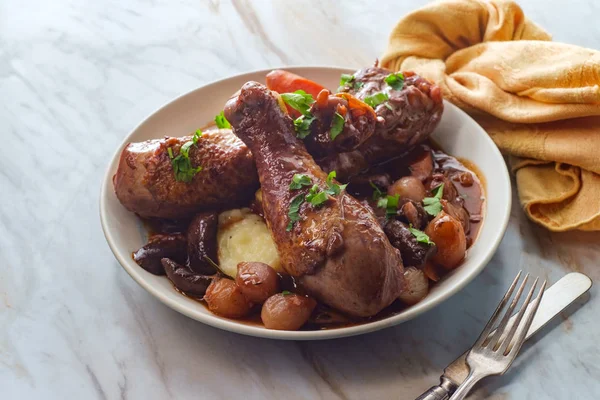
336, 250
145, 182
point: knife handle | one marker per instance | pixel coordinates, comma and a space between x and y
439, 392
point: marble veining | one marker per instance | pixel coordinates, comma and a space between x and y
77, 75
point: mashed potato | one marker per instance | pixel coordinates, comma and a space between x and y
244, 236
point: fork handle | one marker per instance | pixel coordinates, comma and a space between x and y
439, 392
467, 385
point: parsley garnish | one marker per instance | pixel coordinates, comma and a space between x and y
346, 79
377, 193
337, 125
302, 126
185, 149
299, 180
390, 203
432, 205
316, 196
333, 188
299, 101
294, 212
222, 122
197, 136
286, 293
182, 165
420, 235
396, 81
376, 99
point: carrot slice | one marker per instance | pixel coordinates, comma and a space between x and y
286, 82
357, 107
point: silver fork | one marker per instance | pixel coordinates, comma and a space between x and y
495, 351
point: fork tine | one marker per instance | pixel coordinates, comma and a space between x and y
519, 317
494, 343
519, 330
490, 325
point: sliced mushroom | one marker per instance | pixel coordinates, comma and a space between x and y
158, 247
185, 280
423, 167
413, 253
202, 242
414, 214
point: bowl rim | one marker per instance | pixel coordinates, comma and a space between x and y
258, 331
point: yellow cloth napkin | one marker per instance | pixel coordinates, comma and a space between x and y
539, 100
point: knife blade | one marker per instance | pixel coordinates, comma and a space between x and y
556, 298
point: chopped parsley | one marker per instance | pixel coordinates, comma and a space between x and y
432, 205
376, 99
396, 81
197, 136
181, 164
286, 293
390, 203
221, 121
294, 212
348, 81
337, 125
302, 126
185, 149
333, 188
300, 180
420, 236
299, 101
316, 196
377, 193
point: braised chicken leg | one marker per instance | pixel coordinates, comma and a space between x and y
336, 250
405, 119
146, 184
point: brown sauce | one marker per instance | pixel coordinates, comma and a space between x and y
473, 196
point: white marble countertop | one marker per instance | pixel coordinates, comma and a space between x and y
77, 75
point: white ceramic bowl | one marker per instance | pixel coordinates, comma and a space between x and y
457, 134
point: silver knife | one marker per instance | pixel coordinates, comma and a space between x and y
556, 298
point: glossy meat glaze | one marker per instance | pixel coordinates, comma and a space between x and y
338, 252
406, 119
145, 183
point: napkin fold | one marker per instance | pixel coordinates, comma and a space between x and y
538, 100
